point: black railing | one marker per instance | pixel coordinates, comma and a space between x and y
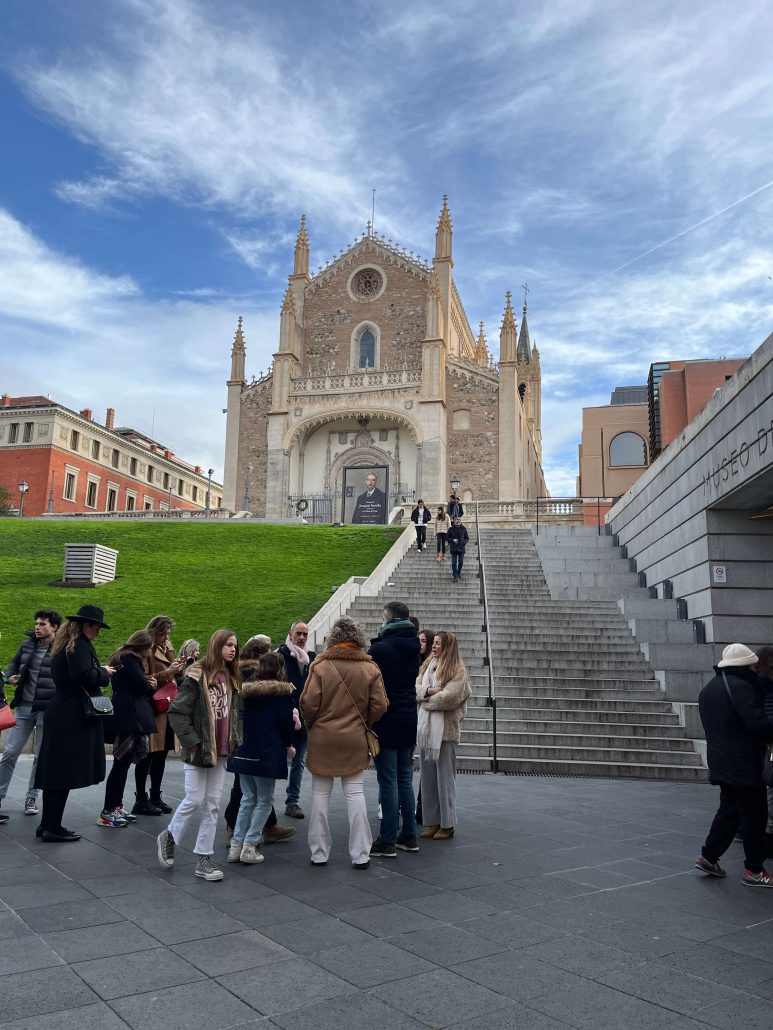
492, 700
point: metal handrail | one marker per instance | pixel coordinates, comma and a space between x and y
492, 699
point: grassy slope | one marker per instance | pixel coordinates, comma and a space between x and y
251, 578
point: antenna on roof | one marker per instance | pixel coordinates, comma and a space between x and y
373, 209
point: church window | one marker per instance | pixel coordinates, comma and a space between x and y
367, 284
367, 349
522, 390
461, 419
627, 449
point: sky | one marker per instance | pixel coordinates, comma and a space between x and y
157, 156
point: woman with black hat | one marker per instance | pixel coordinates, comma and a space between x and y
72, 753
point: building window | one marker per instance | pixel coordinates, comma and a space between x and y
92, 489
70, 484
115, 457
75, 437
180, 487
112, 498
151, 473
28, 430
13, 432
148, 504
194, 493
366, 349
131, 501
627, 449
132, 466
95, 450
166, 480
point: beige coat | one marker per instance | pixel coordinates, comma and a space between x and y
451, 701
158, 665
336, 743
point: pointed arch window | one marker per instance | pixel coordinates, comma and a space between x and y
366, 349
522, 390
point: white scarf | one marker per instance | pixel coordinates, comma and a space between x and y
297, 652
429, 732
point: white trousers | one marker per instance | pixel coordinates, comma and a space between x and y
203, 788
320, 838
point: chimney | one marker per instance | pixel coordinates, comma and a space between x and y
5, 401
168, 454
197, 470
110, 418
86, 413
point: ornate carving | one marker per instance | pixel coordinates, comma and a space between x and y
367, 283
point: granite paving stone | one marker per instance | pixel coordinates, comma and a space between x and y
721, 966
204, 1005
376, 962
339, 897
26, 954
446, 947
173, 920
59, 988
665, 985
120, 938
593, 1006
232, 952
451, 907
285, 985
90, 1017
389, 919
69, 916
49, 892
440, 998
743, 1012
136, 973
517, 975
260, 912
580, 955
308, 936
352, 1012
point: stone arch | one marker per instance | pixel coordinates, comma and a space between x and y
367, 325
321, 418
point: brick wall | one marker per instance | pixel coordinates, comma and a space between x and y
472, 451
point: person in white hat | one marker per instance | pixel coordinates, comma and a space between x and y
733, 715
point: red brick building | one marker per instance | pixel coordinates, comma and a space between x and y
73, 464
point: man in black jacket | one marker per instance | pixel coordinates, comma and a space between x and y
396, 652
297, 661
732, 711
457, 539
30, 673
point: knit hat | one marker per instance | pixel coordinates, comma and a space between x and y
737, 654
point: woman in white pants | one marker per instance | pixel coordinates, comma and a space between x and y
204, 716
344, 693
442, 690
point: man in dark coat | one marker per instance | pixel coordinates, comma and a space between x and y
396, 652
733, 715
297, 661
370, 508
30, 672
420, 517
457, 539
455, 508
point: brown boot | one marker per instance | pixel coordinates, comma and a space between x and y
275, 833
430, 831
444, 833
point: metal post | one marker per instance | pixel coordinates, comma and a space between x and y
23, 488
537, 514
598, 514
51, 496
210, 473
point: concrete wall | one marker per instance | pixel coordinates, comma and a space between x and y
694, 509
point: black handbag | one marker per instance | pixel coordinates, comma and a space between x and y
96, 707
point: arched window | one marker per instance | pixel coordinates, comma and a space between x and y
366, 349
627, 449
522, 390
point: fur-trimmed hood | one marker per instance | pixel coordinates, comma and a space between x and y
347, 654
264, 688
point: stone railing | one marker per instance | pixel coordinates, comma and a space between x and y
142, 515
587, 510
356, 382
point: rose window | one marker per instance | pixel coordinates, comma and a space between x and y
367, 283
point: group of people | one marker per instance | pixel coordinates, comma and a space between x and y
449, 531
262, 715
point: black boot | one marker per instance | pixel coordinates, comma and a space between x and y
144, 806
155, 800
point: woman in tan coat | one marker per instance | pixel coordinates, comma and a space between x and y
162, 668
442, 690
344, 693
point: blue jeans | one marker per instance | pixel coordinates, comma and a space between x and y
394, 768
296, 769
457, 560
18, 735
257, 801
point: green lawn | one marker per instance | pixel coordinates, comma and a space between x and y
251, 578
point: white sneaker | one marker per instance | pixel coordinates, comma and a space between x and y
250, 855
30, 805
206, 870
165, 849
235, 851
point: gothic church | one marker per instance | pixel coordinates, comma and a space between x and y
377, 367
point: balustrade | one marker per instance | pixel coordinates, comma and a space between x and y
356, 381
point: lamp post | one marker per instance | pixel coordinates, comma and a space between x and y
210, 474
51, 496
23, 488
454, 484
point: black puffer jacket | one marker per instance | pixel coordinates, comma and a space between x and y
267, 728
736, 727
396, 652
19, 666
132, 699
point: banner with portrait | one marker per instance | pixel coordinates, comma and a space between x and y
365, 499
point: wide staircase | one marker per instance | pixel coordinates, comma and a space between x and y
572, 692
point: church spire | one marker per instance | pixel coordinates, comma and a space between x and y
434, 308
444, 233
524, 344
507, 333
238, 353
301, 261
481, 348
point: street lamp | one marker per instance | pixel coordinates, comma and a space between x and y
210, 474
23, 488
454, 484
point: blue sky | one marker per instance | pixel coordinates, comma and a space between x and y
157, 155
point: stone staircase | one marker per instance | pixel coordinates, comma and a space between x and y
575, 695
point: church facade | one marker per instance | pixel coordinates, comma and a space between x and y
378, 374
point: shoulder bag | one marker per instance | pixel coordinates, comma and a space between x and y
97, 707
767, 766
163, 697
371, 737
7, 720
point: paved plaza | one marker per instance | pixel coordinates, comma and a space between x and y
559, 903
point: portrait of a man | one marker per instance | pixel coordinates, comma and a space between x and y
370, 504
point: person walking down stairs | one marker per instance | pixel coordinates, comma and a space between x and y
420, 518
458, 538
441, 529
